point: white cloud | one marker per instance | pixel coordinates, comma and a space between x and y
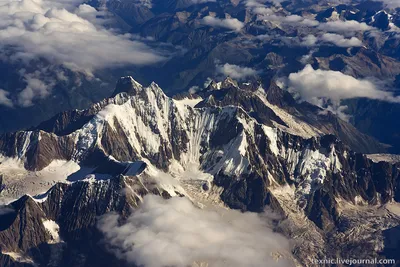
312, 40
293, 19
36, 30
36, 88
175, 233
310, 22
344, 26
196, 2
340, 40
390, 3
207, 82
62, 34
182, 4
264, 37
236, 72
261, 10
312, 85
267, 13
146, 3
309, 40
255, 3
193, 89
4, 99
231, 24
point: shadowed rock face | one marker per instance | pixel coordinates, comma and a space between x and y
233, 95
75, 208
381, 21
66, 122
245, 97
39, 148
359, 176
27, 230
116, 143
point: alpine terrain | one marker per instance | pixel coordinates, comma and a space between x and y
235, 146
157, 133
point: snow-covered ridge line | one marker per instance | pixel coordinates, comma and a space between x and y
392, 158
143, 124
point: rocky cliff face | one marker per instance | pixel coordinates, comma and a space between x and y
271, 105
58, 228
240, 145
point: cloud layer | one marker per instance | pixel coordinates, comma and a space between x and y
64, 35
312, 85
327, 32
175, 233
35, 29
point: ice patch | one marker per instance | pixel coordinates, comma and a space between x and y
87, 136
272, 134
188, 101
18, 181
53, 228
391, 158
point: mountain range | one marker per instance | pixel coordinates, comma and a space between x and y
199, 132
212, 148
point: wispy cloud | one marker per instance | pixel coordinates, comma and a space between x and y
236, 72
231, 24
4, 99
